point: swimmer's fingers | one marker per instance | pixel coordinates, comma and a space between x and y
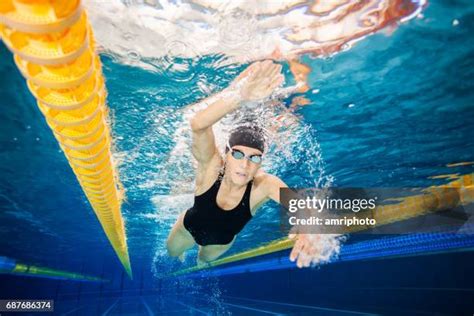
296, 250
257, 68
305, 251
301, 257
305, 260
277, 81
276, 70
271, 71
267, 66
317, 249
262, 69
309, 252
261, 81
313, 255
266, 70
271, 83
304, 257
249, 71
274, 79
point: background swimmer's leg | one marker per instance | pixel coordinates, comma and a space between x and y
212, 252
179, 239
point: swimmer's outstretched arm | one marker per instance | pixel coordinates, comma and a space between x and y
306, 246
256, 82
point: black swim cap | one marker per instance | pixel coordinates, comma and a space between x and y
249, 136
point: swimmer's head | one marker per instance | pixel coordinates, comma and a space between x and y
244, 153
249, 136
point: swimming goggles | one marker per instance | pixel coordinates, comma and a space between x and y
237, 154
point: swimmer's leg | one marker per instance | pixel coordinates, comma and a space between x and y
212, 252
179, 239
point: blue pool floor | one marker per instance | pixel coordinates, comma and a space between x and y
193, 305
150, 305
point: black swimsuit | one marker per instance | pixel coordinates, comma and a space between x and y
211, 225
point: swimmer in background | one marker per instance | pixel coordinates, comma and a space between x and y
230, 189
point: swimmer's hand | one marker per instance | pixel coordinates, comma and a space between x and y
258, 81
306, 250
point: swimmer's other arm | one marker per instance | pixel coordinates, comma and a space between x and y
256, 82
306, 246
204, 145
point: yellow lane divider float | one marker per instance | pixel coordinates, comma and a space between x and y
53, 46
435, 198
10, 266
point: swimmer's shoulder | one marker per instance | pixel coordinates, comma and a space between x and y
260, 179
267, 182
207, 174
268, 186
263, 177
265, 187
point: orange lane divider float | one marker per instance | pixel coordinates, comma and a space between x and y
53, 46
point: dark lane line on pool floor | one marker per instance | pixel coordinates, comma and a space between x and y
300, 306
244, 307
